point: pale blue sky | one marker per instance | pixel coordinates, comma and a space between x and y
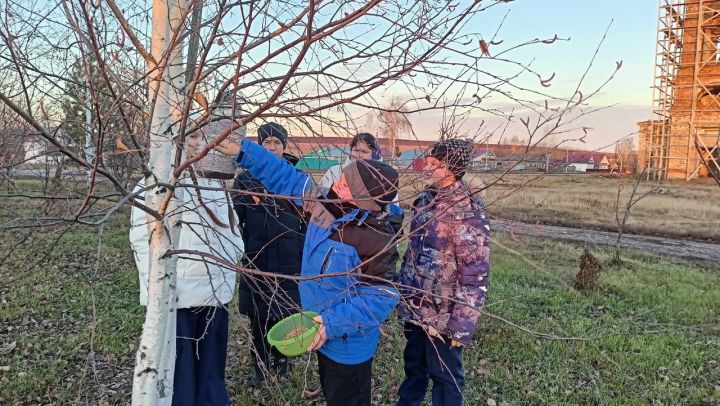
631, 38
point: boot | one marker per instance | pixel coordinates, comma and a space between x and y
281, 366
257, 378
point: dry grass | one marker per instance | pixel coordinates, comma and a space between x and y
654, 335
682, 209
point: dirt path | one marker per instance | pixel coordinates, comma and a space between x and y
681, 248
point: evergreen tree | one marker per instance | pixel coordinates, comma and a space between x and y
106, 122
74, 105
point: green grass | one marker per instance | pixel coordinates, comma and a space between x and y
653, 324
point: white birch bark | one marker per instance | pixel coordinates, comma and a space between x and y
155, 359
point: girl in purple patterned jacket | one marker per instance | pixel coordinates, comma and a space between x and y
444, 277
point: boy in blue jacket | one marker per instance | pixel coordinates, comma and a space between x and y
350, 238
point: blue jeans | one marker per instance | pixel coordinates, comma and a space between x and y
202, 335
429, 358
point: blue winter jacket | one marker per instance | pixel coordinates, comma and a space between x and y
352, 310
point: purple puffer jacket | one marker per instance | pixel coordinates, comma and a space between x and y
447, 262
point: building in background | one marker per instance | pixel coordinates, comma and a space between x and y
323, 158
682, 140
319, 153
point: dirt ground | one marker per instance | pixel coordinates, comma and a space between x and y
662, 246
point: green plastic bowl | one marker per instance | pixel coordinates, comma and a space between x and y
298, 345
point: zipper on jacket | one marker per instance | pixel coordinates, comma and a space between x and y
325, 261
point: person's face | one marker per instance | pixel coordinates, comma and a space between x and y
274, 146
436, 173
342, 190
193, 144
360, 151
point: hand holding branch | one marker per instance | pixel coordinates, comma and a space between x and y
432, 332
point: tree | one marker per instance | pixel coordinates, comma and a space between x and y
76, 105
92, 118
155, 361
513, 140
13, 134
626, 155
390, 122
622, 211
548, 142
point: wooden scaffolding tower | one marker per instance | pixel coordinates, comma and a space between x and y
682, 139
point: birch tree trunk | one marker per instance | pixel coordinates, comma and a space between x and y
155, 359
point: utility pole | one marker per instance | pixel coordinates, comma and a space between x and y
90, 151
567, 159
547, 162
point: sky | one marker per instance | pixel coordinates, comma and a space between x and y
630, 39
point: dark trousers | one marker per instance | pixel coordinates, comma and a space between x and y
426, 359
261, 347
202, 335
345, 385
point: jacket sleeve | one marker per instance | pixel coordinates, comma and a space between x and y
331, 175
394, 209
276, 174
470, 245
139, 242
368, 308
327, 181
138, 235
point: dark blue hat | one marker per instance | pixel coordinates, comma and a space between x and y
272, 129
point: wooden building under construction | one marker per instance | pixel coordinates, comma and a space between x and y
681, 141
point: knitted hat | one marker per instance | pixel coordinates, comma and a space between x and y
272, 129
455, 153
373, 184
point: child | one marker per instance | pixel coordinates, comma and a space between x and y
274, 233
444, 277
203, 288
362, 146
350, 238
